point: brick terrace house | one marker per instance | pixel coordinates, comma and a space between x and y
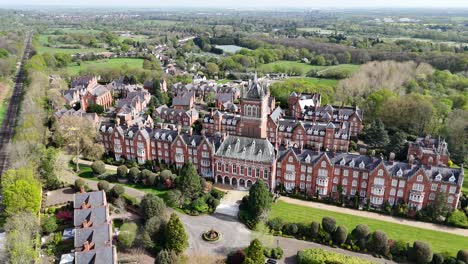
429, 151
184, 118
183, 101
93, 229
100, 95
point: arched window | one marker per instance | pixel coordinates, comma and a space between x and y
254, 111
248, 111
323, 164
364, 184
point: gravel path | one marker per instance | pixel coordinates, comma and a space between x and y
377, 216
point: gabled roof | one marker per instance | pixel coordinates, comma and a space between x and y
101, 236
254, 149
94, 199
96, 256
97, 215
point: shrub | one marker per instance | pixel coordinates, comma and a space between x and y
274, 253
79, 183
314, 229
175, 236
133, 174
361, 234
255, 252
103, 185
122, 171
329, 224
145, 174
151, 180
379, 242
340, 235
200, 205
166, 174
49, 224
462, 255
321, 256
438, 258
98, 167
276, 223
117, 190
217, 193
421, 252
127, 234
399, 250
458, 218
290, 229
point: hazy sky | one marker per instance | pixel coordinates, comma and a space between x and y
248, 3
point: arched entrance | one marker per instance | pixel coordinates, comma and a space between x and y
234, 181
219, 179
226, 180
242, 182
249, 183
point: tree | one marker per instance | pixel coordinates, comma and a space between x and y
21, 191
259, 201
118, 190
421, 252
340, 235
103, 185
329, 224
79, 135
212, 69
153, 231
455, 131
375, 135
48, 168
98, 167
397, 145
361, 234
176, 238
189, 181
210, 99
438, 258
314, 229
462, 255
237, 257
122, 171
379, 242
49, 224
167, 257
255, 252
152, 206
95, 108
127, 235
21, 232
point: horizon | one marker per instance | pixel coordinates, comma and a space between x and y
241, 4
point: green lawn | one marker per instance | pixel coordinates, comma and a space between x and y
440, 241
281, 66
106, 63
223, 81
43, 49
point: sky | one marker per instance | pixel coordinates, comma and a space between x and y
247, 3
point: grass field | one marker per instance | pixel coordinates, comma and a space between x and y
107, 63
440, 241
291, 66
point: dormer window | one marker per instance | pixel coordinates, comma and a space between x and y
380, 172
307, 159
399, 173
323, 164
420, 178
351, 164
194, 144
342, 162
438, 177
290, 159
361, 165
452, 178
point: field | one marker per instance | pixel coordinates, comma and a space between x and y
62, 48
440, 241
5, 94
107, 63
303, 68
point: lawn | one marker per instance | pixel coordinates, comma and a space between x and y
62, 48
295, 66
106, 63
440, 241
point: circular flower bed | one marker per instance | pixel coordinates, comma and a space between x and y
211, 235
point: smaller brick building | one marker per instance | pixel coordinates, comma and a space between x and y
429, 151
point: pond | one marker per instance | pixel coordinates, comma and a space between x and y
229, 48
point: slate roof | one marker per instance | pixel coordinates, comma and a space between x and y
100, 235
82, 81
228, 119
99, 90
276, 114
253, 149
312, 128
183, 99
332, 113
97, 215
95, 199
96, 256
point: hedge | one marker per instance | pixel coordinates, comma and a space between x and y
321, 256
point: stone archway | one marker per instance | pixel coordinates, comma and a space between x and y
219, 179
227, 180
248, 184
234, 181
242, 183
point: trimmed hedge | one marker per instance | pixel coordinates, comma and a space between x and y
321, 256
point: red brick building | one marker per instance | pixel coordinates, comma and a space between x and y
429, 151
184, 118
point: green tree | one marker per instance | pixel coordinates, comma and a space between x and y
259, 201
49, 224
462, 255
458, 218
118, 190
21, 232
95, 108
176, 238
152, 206
421, 252
21, 191
397, 145
48, 168
212, 69
189, 181
329, 224
79, 183
103, 185
127, 234
375, 135
379, 242
340, 235
133, 174
255, 252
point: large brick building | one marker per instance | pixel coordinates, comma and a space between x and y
306, 152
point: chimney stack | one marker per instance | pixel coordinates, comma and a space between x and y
391, 157
82, 190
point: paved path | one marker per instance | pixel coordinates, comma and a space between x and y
108, 167
377, 216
